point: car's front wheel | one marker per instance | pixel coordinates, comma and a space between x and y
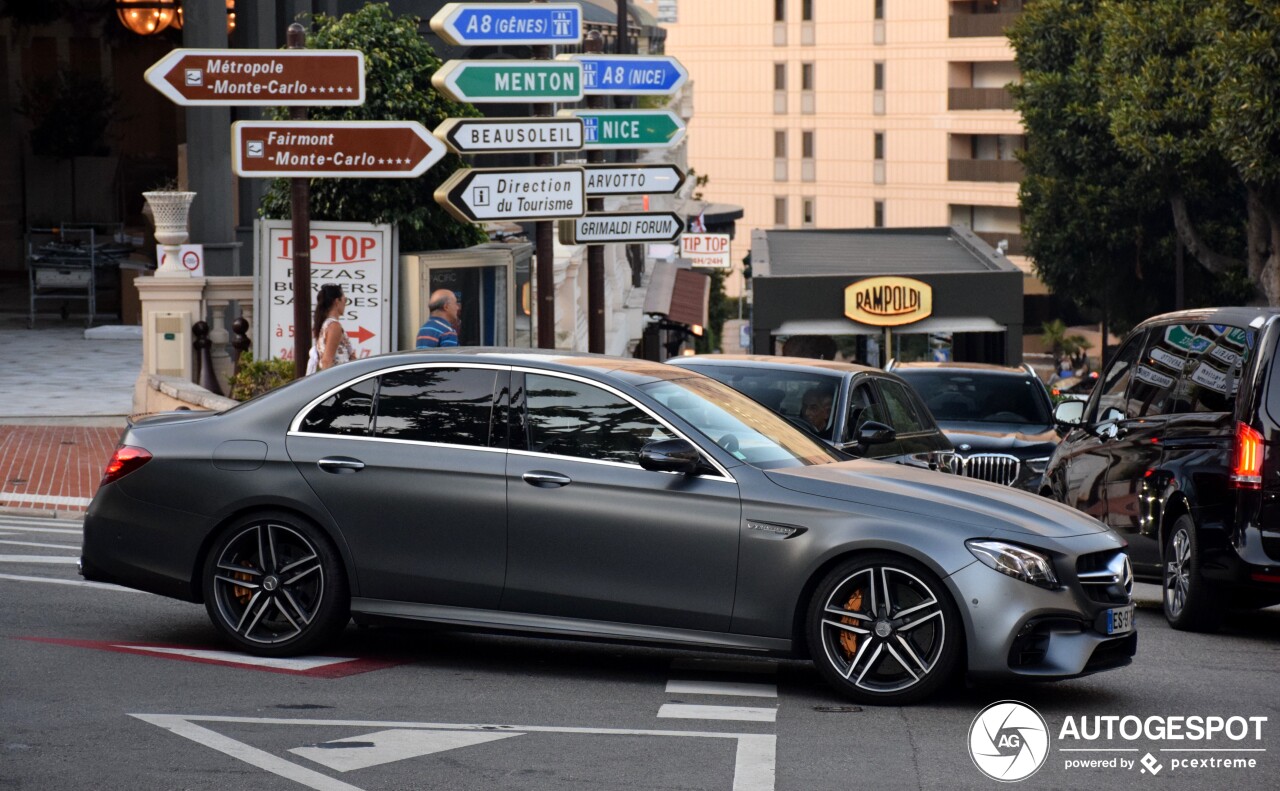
1190, 601
883, 630
274, 586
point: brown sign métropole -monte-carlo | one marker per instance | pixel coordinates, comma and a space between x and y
335, 149
888, 301
260, 77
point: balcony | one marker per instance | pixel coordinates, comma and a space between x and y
981, 25
999, 170
1016, 245
979, 99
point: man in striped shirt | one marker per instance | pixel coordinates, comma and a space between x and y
440, 328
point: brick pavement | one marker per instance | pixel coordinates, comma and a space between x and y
51, 469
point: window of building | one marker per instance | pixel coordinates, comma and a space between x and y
877, 211
806, 10
347, 412
879, 9
878, 77
780, 144
806, 145
447, 405
571, 418
878, 145
808, 210
779, 76
806, 76
779, 10
780, 212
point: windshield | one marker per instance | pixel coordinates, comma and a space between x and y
975, 397
799, 395
744, 428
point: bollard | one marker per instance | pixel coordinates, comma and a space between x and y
240, 342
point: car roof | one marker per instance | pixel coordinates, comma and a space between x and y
1235, 316
770, 361
983, 367
630, 369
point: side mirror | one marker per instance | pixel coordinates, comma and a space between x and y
670, 455
873, 433
1069, 413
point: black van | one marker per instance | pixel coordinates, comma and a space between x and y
1178, 449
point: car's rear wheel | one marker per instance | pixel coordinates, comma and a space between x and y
882, 629
274, 586
1190, 601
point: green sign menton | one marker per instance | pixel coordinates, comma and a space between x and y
629, 128
510, 81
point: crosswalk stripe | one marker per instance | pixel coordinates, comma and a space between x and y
25, 529
737, 688
39, 559
76, 583
724, 665
68, 547
686, 711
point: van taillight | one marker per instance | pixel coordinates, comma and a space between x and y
125, 460
1246, 472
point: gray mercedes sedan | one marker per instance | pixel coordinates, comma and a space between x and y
605, 498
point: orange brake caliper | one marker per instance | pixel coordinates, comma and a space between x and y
849, 640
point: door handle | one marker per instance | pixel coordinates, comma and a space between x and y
340, 465
546, 479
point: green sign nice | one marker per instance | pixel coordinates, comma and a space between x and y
629, 128
480, 81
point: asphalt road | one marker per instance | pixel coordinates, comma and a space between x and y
108, 689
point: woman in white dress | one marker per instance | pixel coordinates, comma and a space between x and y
330, 345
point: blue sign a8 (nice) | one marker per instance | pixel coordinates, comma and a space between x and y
629, 75
509, 23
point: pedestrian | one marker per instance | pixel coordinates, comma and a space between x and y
330, 345
441, 327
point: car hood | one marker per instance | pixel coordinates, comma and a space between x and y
938, 498
1019, 439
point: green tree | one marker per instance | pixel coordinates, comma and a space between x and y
1193, 95
398, 68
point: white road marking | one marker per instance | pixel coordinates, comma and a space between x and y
687, 711
724, 665
39, 559
392, 745
754, 764
69, 547
299, 664
34, 529
44, 499
740, 689
78, 583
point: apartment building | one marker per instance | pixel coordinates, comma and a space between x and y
856, 114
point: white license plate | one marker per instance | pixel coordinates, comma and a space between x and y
1120, 620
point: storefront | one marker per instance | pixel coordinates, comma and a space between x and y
911, 293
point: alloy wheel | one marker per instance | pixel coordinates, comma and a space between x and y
1177, 574
269, 583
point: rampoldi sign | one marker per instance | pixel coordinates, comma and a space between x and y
888, 301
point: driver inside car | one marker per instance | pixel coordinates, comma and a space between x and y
815, 407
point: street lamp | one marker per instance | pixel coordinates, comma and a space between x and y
146, 17
169, 209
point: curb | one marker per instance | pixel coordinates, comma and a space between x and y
41, 513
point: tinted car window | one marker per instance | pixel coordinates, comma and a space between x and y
348, 411
448, 405
785, 392
1215, 357
571, 418
1115, 382
902, 415
976, 396
864, 405
1152, 384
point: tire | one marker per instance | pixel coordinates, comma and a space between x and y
871, 658
1190, 602
290, 604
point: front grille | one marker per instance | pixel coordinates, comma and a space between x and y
1106, 577
998, 468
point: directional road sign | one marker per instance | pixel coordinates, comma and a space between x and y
347, 149
260, 77
512, 81
607, 228
629, 75
479, 195
547, 24
481, 135
629, 128
633, 179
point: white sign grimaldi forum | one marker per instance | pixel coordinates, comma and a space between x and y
358, 256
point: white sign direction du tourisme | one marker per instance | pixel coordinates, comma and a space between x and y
707, 250
358, 256
480, 195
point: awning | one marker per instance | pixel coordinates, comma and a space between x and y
849, 327
679, 294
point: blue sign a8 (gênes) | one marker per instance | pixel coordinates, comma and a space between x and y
468, 23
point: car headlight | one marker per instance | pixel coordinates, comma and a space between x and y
1018, 562
1038, 465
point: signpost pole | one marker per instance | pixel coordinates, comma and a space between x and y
595, 253
300, 212
544, 240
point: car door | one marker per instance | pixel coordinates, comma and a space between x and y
592, 534
412, 470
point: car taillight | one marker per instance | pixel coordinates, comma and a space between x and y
1246, 472
125, 460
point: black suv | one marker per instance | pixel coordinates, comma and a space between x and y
1176, 449
862, 411
1000, 419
